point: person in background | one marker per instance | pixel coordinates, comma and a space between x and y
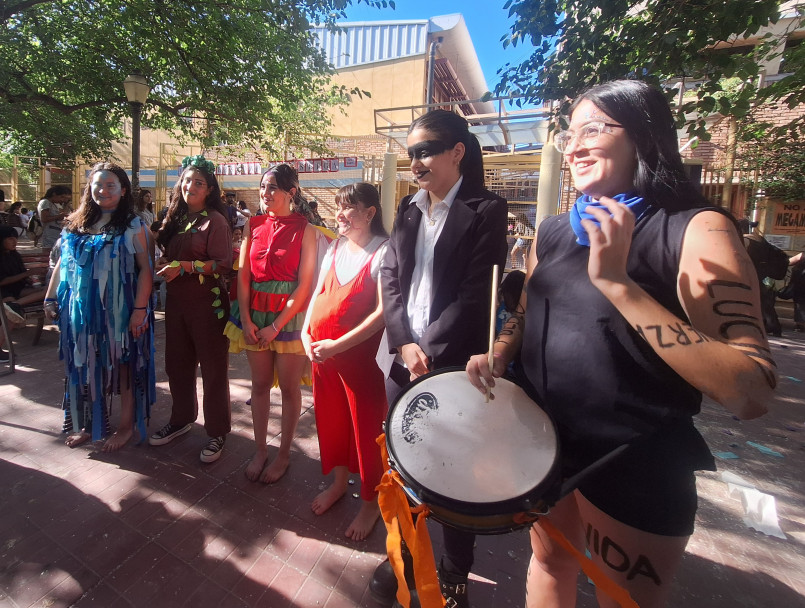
274, 286
637, 301
16, 283
797, 282
99, 293
52, 210
197, 244
231, 209
15, 218
341, 335
145, 207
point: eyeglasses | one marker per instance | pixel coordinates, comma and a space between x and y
587, 135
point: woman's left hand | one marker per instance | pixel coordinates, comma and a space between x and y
138, 322
323, 350
609, 243
266, 336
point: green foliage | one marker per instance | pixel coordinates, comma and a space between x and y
580, 43
779, 161
248, 67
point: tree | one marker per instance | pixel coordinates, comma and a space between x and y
581, 43
221, 71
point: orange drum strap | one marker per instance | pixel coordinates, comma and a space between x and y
601, 580
396, 514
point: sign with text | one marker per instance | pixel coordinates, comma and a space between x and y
302, 165
788, 218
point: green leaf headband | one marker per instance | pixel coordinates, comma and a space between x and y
199, 161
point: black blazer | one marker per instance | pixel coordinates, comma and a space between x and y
472, 241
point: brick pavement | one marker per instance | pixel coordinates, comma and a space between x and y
153, 527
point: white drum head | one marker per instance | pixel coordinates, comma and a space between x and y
443, 435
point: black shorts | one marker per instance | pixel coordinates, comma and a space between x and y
651, 486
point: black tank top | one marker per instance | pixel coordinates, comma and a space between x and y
603, 385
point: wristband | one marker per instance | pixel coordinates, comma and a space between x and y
140, 308
51, 300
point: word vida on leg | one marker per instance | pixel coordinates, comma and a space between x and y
616, 558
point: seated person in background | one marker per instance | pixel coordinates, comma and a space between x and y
16, 285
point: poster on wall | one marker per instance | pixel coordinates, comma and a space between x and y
788, 219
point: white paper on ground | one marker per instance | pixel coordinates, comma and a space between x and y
760, 511
728, 477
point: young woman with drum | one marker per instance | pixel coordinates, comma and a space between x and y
636, 302
341, 335
436, 279
277, 269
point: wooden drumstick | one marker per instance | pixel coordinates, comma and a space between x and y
492, 319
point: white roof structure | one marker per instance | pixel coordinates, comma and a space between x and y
365, 42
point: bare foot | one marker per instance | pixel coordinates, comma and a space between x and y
364, 521
76, 439
255, 467
118, 439
328, 498
276, 469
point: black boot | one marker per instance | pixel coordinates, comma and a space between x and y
383, 585
454, 589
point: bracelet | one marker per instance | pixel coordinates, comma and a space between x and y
140, 308
51, 300
275, 327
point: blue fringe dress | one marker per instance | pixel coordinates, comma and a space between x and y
98, 284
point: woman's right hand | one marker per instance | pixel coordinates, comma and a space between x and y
415, 359
479, 374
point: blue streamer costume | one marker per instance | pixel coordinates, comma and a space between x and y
98, 284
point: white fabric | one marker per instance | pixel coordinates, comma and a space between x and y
348, 263
420, 297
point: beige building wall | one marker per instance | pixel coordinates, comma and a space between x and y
397, 83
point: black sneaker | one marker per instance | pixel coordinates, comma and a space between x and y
213, 450
168, 433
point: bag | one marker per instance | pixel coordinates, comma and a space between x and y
34, 224
787, 292
770, 261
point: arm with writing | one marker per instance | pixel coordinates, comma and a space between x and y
723, 351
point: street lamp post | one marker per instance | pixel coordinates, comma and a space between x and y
137, 90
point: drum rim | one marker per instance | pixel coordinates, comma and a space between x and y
524, 502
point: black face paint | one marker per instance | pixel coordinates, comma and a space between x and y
426, 149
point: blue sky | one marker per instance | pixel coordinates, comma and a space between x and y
486, 22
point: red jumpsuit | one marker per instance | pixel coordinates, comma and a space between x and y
348, 388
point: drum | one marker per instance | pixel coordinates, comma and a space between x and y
486, 468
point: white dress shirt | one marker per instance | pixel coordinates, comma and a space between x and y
420, 297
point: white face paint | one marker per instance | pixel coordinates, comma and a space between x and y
106, 190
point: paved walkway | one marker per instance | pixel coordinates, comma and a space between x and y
153, 527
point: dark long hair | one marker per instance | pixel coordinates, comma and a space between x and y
178, 209
646, 116
366, 195
450, 129
89, 212
57, 190
288, 178
141, 206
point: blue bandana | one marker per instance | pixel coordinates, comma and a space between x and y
578, 212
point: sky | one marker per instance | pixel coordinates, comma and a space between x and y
486, 21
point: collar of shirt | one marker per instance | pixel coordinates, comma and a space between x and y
422, 198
